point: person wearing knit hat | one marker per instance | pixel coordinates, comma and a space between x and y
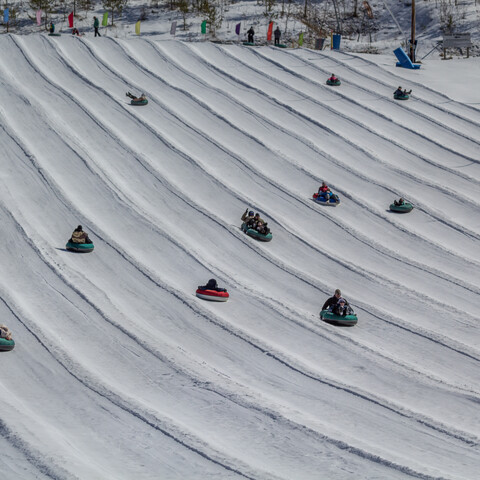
332, 301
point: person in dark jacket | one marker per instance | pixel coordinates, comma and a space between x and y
79, 236
399, 202
332, 301
277, 34
250, 33
51, 28
212, 285
96, 24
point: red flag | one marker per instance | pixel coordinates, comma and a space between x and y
70, 20
269, 33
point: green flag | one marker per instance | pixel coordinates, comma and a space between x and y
204, 26
137, 28
300, 39
105, 19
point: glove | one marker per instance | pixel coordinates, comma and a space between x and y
246, 211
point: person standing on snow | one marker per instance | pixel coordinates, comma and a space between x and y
277, 34
96, 24
250, 33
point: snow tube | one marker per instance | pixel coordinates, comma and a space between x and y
249, 44
212, 295
401, 97
333, 201
254, 234
281, 45
405, 208
334, 83
54, 34
6, 345
139, 102
79, 247
347, 320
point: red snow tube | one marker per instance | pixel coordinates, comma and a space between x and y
212, 295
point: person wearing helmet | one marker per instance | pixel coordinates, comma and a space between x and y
79, 236
247, 217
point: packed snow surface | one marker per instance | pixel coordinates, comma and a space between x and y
120, 372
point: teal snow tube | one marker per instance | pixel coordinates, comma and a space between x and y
6, 345
335, 83
401, 97
139, 102
254, 234
405, 208
347, 320
79, 247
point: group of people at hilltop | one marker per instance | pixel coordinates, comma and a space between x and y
276, 35
75, 31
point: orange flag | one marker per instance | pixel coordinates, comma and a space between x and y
269, 32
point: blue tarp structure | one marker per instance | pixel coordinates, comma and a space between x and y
336, 41
403, 59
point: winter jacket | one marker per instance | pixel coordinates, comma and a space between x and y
79, 236
331, 302
277, 33
96, 23
5, 332
246, 217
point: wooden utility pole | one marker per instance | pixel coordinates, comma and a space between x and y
412, 39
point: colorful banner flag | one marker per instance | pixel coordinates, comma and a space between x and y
300, 39
173, 28
5, 15
39, 17
204, 26
70, 20
137, 28
269, 32
237, 29
105, 19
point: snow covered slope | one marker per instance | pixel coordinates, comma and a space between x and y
120, 372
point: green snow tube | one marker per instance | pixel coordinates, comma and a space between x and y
139, 102
335, 83
281, 45
405, 208
79, 247
347, 320
54, 34
6, 345
401, 97
249, 44
254, 234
